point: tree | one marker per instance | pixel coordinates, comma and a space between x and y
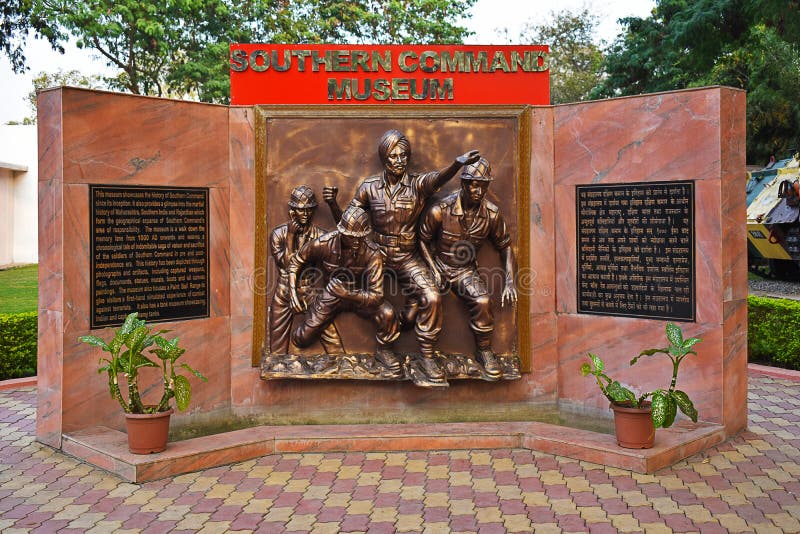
575, 60
750, 44
16, 20
43, 80
180, 47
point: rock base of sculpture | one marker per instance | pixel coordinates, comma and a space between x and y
364, 367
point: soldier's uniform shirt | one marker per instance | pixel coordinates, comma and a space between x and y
447, 225
395, 213
362, 273
458, 238
282, 248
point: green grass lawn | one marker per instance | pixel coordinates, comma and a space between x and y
19, 289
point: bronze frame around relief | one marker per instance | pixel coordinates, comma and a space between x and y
522, 114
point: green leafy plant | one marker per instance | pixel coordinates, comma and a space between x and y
665, 403
126, 357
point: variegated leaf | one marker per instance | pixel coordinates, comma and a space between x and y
674, 334
685, 404
659, 404
183, 392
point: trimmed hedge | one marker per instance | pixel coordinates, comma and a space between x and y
773, 335
18, 345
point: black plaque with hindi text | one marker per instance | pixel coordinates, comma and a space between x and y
635, 254
149, 253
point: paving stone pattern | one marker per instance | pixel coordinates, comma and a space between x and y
748, 484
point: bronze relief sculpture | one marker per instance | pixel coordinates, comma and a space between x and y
392, 230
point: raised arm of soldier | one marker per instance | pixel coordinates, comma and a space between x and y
444, 175
329, 194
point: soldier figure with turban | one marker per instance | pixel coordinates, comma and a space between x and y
395, 200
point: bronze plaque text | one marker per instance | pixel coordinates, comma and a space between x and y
149, 250
635, 253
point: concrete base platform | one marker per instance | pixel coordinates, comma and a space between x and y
108, 449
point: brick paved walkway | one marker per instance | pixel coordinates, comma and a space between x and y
748, 484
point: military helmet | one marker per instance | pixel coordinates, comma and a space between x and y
480, 170
354, 222
302, 197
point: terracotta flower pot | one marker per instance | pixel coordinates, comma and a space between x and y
634, 426
147, 432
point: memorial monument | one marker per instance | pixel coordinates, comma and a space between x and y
568, 229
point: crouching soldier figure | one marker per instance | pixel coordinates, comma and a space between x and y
285, 240
457, 226
352, 268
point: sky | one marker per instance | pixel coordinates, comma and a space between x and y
489, 19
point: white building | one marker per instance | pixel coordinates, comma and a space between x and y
18, 195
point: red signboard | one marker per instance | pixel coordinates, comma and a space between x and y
396, 74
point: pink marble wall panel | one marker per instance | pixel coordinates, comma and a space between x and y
112, 138
49, 385
50, 183
658, 137
734, 207
245, 379
123, 139
542, 215
219, 252
76, 272
246, 383
545, 364
734, 258
685, 135
51, 259
708, 247
540, 282
734, 366
242, 209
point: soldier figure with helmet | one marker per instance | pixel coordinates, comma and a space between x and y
458, 225
352, 268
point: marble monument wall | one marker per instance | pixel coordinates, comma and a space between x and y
90, 138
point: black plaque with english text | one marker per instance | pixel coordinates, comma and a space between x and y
635, 254
149, 253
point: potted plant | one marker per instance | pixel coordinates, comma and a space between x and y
636, 418
147, 424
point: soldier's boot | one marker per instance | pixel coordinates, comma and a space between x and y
490, 364
432, 370
386, 357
